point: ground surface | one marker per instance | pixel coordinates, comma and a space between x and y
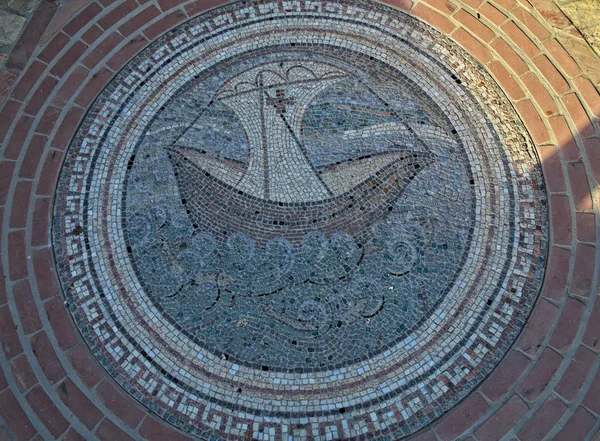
546, 385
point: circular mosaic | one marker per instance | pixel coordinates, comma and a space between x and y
301, 221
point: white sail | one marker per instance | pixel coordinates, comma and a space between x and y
270, 100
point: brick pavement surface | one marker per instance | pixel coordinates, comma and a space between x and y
547, 387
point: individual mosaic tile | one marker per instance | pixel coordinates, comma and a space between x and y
301, 220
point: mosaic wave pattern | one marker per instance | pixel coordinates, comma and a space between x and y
301, 220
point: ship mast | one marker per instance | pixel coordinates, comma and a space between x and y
270, 100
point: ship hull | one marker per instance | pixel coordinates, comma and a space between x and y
212, 205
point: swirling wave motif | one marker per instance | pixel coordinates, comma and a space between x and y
310, 282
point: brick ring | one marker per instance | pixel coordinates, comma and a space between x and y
52, 387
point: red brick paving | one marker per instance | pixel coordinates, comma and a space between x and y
584, 272
576, 373
35, 149
533, 121
560, 209
26, 45
552, 167
43, 268
472, 45
577, 427
543, 420
541, 375
27, 311
589, 93
17, 140
475, 26
586, 227
492, 13
153, 430
81, 19
506, 80
60, 323
505, 377
27, 80
48, 120
138, 21
503, 420
520, 38
92, 34
426, 436
564, 60
462, 418
85, 368
580, 117
441, 5
17, 268
49, 173
73, 435
540, 95
564, 138
45, 355
509, 56
47, 412
119, 403
432, 17
41, 212
551, 74
17, 421
22, 373
547, 386
591, 400
567, 326
20, 205
108, 431
531, 24
165, 23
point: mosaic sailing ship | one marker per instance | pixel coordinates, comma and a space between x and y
280, 193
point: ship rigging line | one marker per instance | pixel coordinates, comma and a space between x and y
204, 109
400, 119
303, 150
